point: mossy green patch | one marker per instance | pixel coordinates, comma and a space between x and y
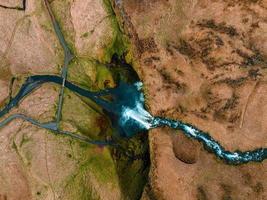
26, 158
119, 43
83, 72
104, 77
129, 57
78, 188
25, 139
90, 74
95, 173
102, 165
14, 146
132, 164
117, 46
84, 35
85, 118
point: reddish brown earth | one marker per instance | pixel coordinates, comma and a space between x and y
203, 62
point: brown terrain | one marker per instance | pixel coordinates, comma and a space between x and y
203, 62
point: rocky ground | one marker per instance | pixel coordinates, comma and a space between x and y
203, 62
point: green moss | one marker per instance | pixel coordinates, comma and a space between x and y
78, 188
96, 168
26, 159
86, 34
129, 57
83, 72
90, 74
47, 27
14, 146
81, 116
104, 77
24, 140
132, 164
102, 166
117, 46
119, 43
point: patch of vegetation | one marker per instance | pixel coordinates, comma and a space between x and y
132, 164
132, 156
95, 173
90, 74
85, 118
119, 43
78, 188
24, 140
126, 168
86, 34
104, 78
83, 72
